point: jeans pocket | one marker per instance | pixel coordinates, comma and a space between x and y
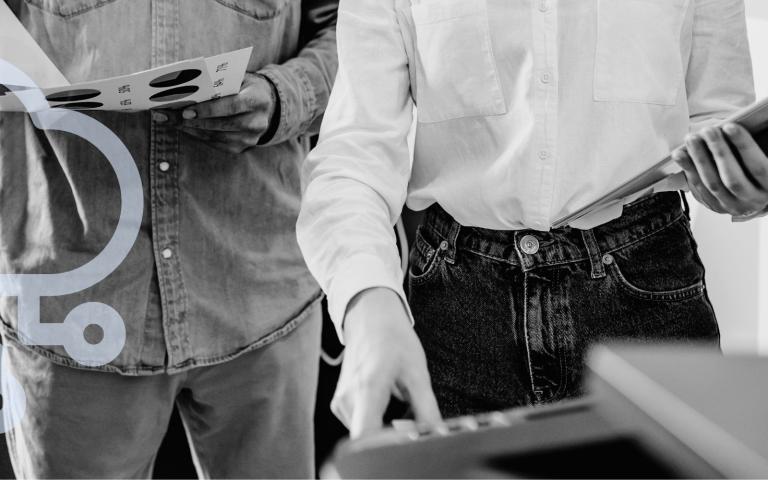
638, 56
684, 293
424, 258
68, 8
456, 73
662, 266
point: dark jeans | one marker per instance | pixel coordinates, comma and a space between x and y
506, 317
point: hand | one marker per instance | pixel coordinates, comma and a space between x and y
234, 123
726, 170
383, 358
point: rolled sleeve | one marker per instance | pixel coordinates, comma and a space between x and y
298, 101
357, 177
304, 83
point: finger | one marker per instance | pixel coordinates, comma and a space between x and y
250, 99
229, 142
235, 138
254, 123
728, 166
220, 107
697, 188
422, 399
166, 117
368, 410
752, 156
707, 170
702, 195
341, 407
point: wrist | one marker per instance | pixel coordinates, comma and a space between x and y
375, 306
275, 112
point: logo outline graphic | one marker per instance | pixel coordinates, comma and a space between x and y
30, 288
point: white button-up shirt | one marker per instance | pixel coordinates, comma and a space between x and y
526, 111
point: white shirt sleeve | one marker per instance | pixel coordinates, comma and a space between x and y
356, 179
719, 79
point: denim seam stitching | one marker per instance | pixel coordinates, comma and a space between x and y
266, 339
525, 334
69, 13
269, 16
490, 257
432, 268
679, 294
653, 232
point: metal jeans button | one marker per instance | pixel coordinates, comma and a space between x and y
529, 244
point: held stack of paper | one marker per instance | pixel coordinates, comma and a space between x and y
754, 118
170, 86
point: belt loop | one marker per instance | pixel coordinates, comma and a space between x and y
453, 236
593, 250
686, 206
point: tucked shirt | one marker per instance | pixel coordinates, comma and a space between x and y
216, 270
525, 111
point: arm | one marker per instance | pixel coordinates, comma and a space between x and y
356, 186
304, 83
725, 168
279, 102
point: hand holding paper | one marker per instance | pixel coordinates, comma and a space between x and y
233, 124
726, 170
750, 139
176, 85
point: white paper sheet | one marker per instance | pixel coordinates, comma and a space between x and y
170, 86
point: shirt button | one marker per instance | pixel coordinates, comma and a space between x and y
164, 166
545, 78
529, 244
543, 154
167, 253
543, 6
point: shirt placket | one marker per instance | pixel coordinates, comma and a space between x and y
546, 80
164, 179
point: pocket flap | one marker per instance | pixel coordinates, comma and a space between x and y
439, 11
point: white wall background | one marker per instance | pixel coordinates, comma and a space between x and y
736, 255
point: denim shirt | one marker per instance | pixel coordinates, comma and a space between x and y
216, 270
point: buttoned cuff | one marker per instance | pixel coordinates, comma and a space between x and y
298, 102
362, 272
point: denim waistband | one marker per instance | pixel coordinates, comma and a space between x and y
531, 249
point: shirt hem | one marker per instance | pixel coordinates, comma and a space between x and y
11, 334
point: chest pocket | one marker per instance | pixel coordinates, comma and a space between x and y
258, 9
456, 72
68, 8
638, 56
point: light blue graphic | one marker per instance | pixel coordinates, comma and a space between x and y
29, 288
